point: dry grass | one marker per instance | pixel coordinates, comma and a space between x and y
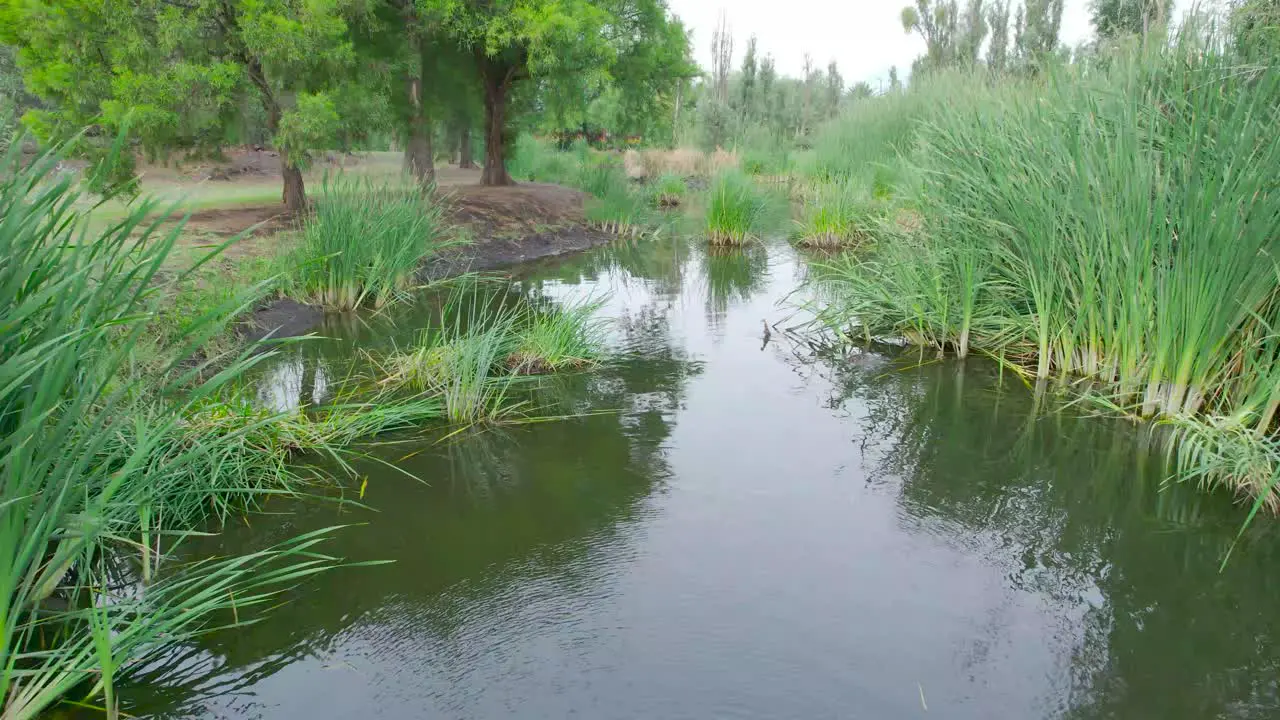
685, 162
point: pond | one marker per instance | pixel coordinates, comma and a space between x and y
738, 527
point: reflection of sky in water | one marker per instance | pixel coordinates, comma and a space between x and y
292, 382
751, 531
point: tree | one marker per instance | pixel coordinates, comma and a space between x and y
402, 37
721, 58
808, 81
1112, 18
550, 43
1037, 27
894, 84
998, 51
972, 31
748, 79
654, 62
834, 88
174, 72
768, 77
935, 21
860, 90
715, 112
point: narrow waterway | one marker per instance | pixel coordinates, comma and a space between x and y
751, 531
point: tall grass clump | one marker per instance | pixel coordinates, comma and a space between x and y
667, 191
1128, 216
570, 335
835, 215
615, 205
96, 464
462, 361
737, 210
484, 347
364, 241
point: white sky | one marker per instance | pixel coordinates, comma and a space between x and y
864, 37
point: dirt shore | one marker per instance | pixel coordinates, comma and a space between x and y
503, 227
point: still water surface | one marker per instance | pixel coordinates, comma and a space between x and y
755, 532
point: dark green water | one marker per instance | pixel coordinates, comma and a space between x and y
754, 533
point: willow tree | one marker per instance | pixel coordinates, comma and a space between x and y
175, 73
546, 42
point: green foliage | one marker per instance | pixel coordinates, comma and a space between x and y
540, 161
1113, 18
177, 75
837, 214
738, 210
105, 472
564, 336
1116, 225
310, 123
1254, 28
364, 242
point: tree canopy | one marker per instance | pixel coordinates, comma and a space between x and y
194, 76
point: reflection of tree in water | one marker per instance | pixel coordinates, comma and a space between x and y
498, 513
660, 261
732, 275
1073, 508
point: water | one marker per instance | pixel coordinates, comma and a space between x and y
754, 532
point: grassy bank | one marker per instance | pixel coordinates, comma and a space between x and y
618, 204
124, 433
1116, 224
105, 470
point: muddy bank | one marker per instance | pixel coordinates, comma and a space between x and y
286, 317
505, 227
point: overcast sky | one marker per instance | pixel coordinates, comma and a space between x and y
864, 37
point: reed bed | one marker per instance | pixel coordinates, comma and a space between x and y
1120, 225
103, 472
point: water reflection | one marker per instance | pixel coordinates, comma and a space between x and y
732, 275
511, 534
1078, 512
736, 530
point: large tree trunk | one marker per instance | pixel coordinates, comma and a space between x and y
417, 151
295, 190
497, 81
465, 159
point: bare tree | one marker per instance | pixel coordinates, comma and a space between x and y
721, 58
